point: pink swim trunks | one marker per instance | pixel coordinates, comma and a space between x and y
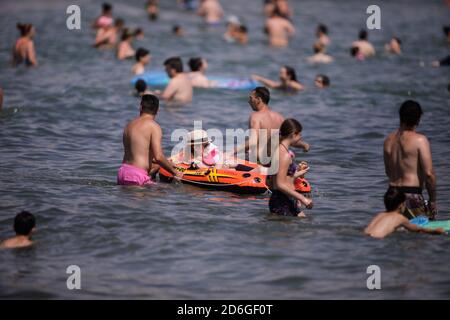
131, 175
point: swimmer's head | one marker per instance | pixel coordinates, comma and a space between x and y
288, 73
126, 35
362, 34
119, 23
243, 29
318, 47
26, 29
138, 33
354, 51
394, 200
173, 65
258, 97
142, 55
24, 223
177, 30
322, 29
197, 64
322, 81
410, 113
107, 9
291, 129
140, 86
149, 104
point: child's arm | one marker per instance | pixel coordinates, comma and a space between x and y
414, 228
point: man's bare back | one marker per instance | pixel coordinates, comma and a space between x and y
279, 30
179, 89
137, 138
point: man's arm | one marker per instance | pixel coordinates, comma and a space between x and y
267, 82
169, 92
290, 28
427, 168
386, 160
303, 145
158, 154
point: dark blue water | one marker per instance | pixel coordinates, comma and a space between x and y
60, 147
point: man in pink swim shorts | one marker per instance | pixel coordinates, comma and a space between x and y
142, 147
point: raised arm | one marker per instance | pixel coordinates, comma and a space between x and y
267, 82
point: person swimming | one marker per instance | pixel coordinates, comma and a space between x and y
197, 75
285, 199
211, 11
153, 9
124, 49
106, 37
288, 80
178, 31
394, 46
23, 49
105, 19
141, 88
143, 58
179, 90
364, 46
356, 53
24, 227
319, 55
279, 29
322, 35
387, 222
322, 81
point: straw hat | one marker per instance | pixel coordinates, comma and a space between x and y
197, 137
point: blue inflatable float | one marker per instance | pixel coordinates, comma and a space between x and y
160, 79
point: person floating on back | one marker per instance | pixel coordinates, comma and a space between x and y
23, 50
24, 227
387, 222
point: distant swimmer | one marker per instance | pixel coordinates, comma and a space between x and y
242, 35
319, 55
394, 46
106, 18
141, 88
179, 89
124, 49
356, 53
288, 80
408, 163
233, 25
23, 50
143, 152
197, 75
364, 46
178, 31
322, 35
387, 222
106, 37
153, 9
24, 227
211, 11
322, 81
142, 57
263, 120
284, 199
279, 29
281, 5
138, 34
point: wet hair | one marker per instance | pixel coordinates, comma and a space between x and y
140, 86
290, 126
24, 223
140, 53
354, 51
119, 22
195, 63
24, 28
106, 7
176, 28
126, 34
149, 104
362, 35
410, 113
137, 32
277, 13
243, 29
322, 28
174, 63
398, 40
393, 198
263, 93
325, 80
291, 73
446, 30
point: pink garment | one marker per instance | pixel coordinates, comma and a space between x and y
211, 155
131, 175
104, 21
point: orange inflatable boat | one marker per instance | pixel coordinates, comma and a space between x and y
239, 180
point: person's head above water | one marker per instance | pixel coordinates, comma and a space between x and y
394, 200
322, 29
26, 29
149, 104
178, 30
410, 113
197, 64
107, 9
173, 65
119, 23
126, 35
258, 98
140, 86
288, 74
362, 35
142, 55
24, 223
291, 129
322, 81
